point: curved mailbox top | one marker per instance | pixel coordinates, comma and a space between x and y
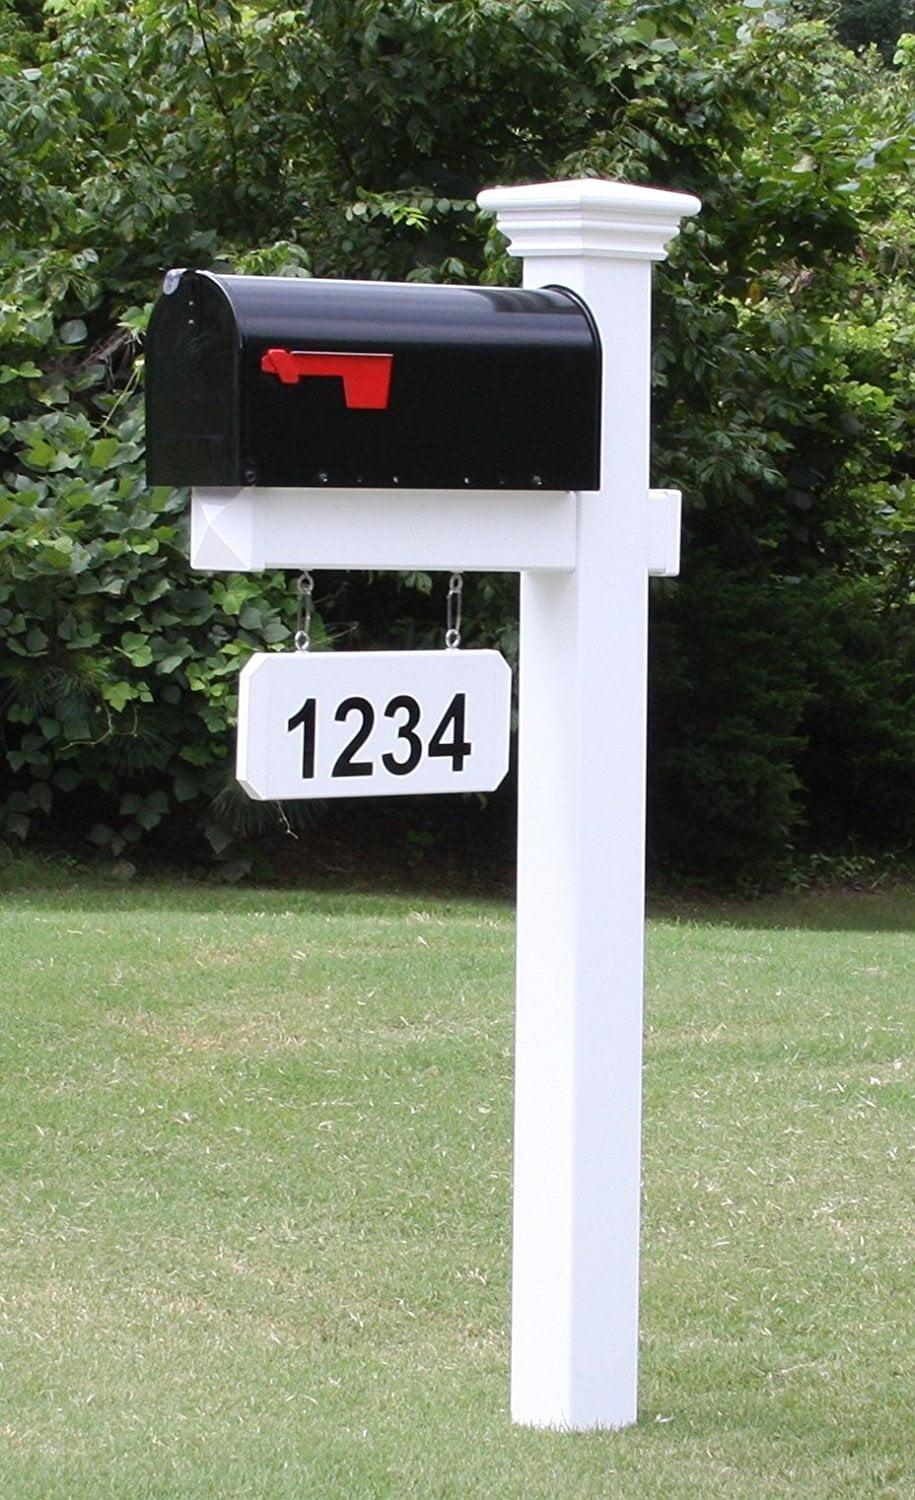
287, 381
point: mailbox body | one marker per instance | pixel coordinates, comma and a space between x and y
270, 381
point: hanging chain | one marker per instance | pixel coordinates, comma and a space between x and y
305, 587
453, 611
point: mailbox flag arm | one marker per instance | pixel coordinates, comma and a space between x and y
366, 377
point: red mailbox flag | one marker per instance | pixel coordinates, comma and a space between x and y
366, 377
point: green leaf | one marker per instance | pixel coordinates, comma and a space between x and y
39, 454
136, 648
196, 755
103, 451
218, 837
74, 331
40, 794
118, 694
36, 641
26, 371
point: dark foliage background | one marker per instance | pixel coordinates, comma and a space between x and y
348, 138
878, 23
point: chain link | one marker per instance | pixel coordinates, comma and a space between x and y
305, 587
453, 611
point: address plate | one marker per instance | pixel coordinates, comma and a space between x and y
372, 723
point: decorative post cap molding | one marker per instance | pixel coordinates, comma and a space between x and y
588, 216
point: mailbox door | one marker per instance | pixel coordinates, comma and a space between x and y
193, 392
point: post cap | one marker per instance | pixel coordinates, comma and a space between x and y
588, 217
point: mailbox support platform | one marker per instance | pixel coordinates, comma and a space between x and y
585, 559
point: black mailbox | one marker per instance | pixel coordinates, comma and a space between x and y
273, 380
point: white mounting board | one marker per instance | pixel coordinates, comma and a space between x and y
429, 530
477, 531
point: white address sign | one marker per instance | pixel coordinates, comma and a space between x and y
372, 723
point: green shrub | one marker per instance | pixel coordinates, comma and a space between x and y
858, 765
119, 667
348, 137
728, 696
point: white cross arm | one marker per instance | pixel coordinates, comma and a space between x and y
249, 529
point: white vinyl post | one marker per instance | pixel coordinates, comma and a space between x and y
584, 637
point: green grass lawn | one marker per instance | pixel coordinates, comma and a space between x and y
255, 1151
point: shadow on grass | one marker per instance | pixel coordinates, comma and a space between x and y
26, 886
28, 883
890, 908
